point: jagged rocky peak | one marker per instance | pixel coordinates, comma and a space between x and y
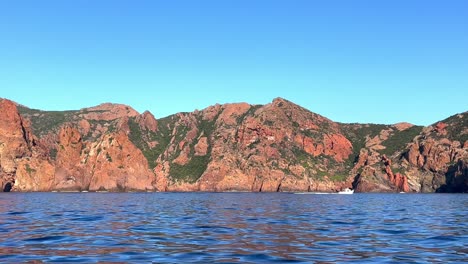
297, 113
147, 121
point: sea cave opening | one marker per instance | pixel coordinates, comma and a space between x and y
7, 187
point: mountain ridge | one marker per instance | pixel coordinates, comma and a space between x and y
198, 109
278, 146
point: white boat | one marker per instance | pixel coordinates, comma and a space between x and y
346, 191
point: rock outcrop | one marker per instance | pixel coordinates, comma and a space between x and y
70, 174
117, 165
375, 176
239, 147
23, 165
147, 121
399, 181
107, 112
275, 147
435, 159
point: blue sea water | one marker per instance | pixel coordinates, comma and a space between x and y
233, 227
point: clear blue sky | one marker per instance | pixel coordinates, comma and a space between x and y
352, 61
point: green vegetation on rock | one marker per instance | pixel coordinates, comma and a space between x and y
250, 112
398, 140
206, 126
29, 170
338, 177
457, 127
192, 171
357, 134
43, 122
140, 138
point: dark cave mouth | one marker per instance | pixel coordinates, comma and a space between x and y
7, 187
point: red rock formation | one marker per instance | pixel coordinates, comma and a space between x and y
369, 181
363, 159
15, 141
440, 128
70, 174
402, 126
431, 155
107, 112
161, 180
22, 165
201, 148
234, 147
337, 146
398, 180
251, 149
183, 157
334, 145
147, 121
35, 175
84, 127
231, 112
434, 155
117, 165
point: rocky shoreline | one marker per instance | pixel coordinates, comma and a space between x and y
277, 147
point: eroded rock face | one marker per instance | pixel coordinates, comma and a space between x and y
432, 158
16, 144
23, 164
147, 121
70, 174
255, 148
378, 176
398, 180
337, 146
230, 113
35, 175
64, 161
15, 141
435, 159
117, 165
371, 180
434, 155
201, 148
233, 147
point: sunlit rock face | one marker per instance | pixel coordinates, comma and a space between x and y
275, 147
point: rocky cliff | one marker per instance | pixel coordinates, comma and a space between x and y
233, 147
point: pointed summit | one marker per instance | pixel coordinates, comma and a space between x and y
147, 121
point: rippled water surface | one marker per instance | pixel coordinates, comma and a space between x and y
233, 227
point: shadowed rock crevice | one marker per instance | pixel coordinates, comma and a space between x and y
456, 179
8, 186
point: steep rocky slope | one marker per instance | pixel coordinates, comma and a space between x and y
233, 147
75, 150
436, 160
239, 147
